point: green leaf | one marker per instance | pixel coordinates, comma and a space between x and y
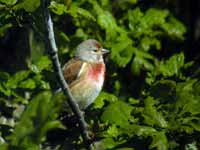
8, 2
104, 96
172, 66
191, 146
27, 5
77, 11
106, 143
122, 50
16, 78
107, 22
159, 142
118, 113
4, 28
44, 63
186, 101
27, 84
57, 8
5, 90
35, 122
151, 115
174, 28
140, 130
4, 76
146, 43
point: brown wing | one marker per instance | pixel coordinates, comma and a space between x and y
71, 70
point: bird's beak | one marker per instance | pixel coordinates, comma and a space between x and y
104, 51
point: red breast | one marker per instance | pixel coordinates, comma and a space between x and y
97, 72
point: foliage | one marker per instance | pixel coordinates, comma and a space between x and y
149, 101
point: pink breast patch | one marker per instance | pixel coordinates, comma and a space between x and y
97, 71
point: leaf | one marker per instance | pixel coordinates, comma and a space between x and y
77, 11
186, 101
57, 8
151, 115
4, 28
4, 76
118, 113
141, 61
146, 43
17, 78
107, 22
27, 84
160, 141
112, 131
191, 146
5, 90
8, 2
43, 63
122, 50
27, 5
140, 130
173, 65
106, 143
35, 121
174, 28
104, 96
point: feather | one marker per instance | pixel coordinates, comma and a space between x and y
71, 70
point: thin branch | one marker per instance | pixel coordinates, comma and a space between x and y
52, 49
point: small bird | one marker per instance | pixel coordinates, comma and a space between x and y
85, 72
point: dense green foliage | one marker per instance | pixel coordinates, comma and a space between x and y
150, 99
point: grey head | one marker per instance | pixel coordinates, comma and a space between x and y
91, 51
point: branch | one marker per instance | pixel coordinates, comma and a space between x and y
52, 49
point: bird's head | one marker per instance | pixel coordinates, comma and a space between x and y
91, 51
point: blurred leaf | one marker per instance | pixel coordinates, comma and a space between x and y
27, 84
4, 76
57, 8
4, 28
8, 2
27, 5
77, 11
106, 143
44, 63
174, 28
191, 146
35, 122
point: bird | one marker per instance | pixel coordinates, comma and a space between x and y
85, 73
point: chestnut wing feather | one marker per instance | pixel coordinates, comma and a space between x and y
71, 70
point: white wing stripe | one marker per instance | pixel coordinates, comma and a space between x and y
81, 70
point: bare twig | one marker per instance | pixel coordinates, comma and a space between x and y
52, 49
